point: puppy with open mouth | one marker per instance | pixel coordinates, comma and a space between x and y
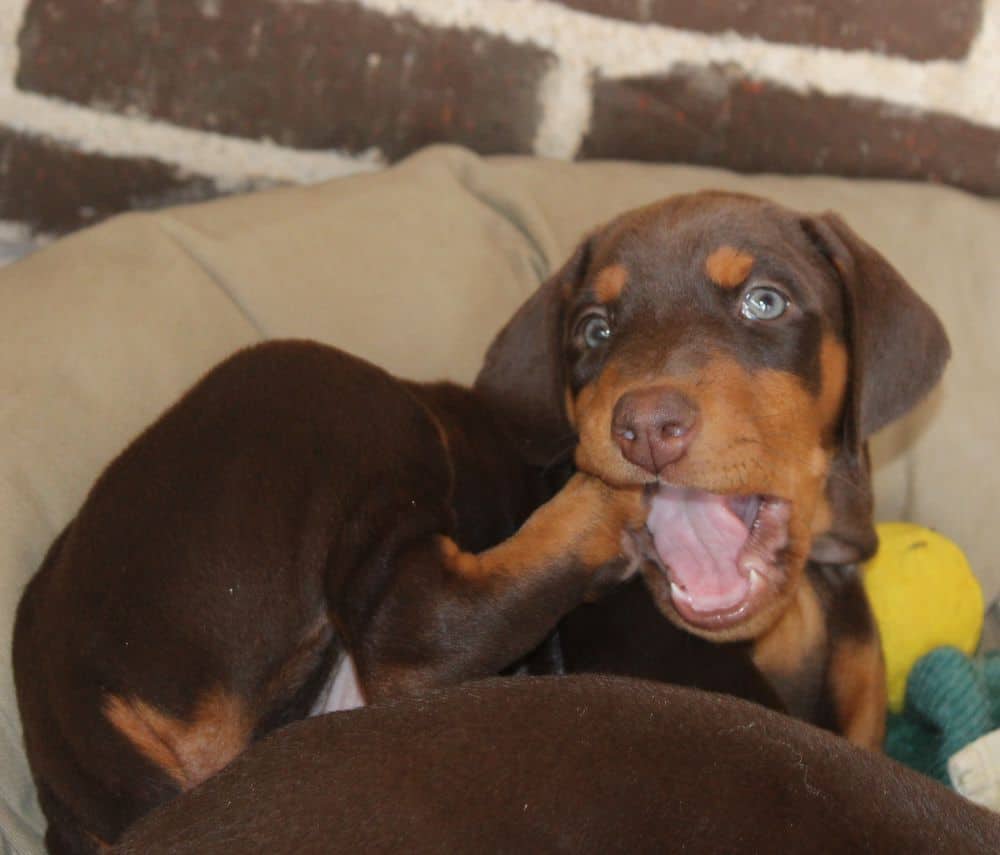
723, 360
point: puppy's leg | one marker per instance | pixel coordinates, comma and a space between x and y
857, 680
582, 526
451, 615
856, 672
792, 655
824, 658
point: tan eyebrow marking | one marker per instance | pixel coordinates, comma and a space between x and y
728, 267
610, 283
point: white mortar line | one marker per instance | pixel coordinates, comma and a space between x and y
10, 26
983, 50
968, 89
565, 100
229, 159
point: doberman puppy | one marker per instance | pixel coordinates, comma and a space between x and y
296, 504
575, 764
729, 358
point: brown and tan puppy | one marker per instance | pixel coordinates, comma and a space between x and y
296, 508
731, 358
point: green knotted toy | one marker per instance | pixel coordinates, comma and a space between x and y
951, 700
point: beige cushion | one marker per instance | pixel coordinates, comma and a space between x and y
415, 268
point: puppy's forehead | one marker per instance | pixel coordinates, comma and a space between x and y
701, 238
686, 224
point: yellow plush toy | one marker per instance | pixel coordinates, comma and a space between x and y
924, 595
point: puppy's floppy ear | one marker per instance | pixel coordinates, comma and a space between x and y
898, 347
897, 351
523, 373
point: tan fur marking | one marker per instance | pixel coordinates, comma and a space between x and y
596, 452
189, 751
583, 401
570, 404
728, 267
583, 522
785, 649
99, 845
462, 563
833, 381
610, 282
857, 678
823, 518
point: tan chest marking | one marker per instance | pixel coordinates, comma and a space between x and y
800, 631
857, 678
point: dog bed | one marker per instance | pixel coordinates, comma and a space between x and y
416, 268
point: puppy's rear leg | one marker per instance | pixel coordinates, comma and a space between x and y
451, 615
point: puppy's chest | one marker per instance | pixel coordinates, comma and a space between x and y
794, 655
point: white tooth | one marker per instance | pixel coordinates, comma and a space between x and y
677, 592
755, 579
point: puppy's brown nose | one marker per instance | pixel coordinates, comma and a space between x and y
654, 426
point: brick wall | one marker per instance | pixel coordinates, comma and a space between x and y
107, 105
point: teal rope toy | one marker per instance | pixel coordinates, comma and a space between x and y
951, 700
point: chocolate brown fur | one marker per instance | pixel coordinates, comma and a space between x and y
296, 503
581, 765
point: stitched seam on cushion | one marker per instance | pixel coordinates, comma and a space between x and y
168, 225
540, 262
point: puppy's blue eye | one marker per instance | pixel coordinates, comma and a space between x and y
763, 304
595, 330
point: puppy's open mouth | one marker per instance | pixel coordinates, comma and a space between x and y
718, 552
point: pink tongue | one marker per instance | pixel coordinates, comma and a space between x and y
699, 539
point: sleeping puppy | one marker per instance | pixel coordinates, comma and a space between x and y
730, 358
574, 765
